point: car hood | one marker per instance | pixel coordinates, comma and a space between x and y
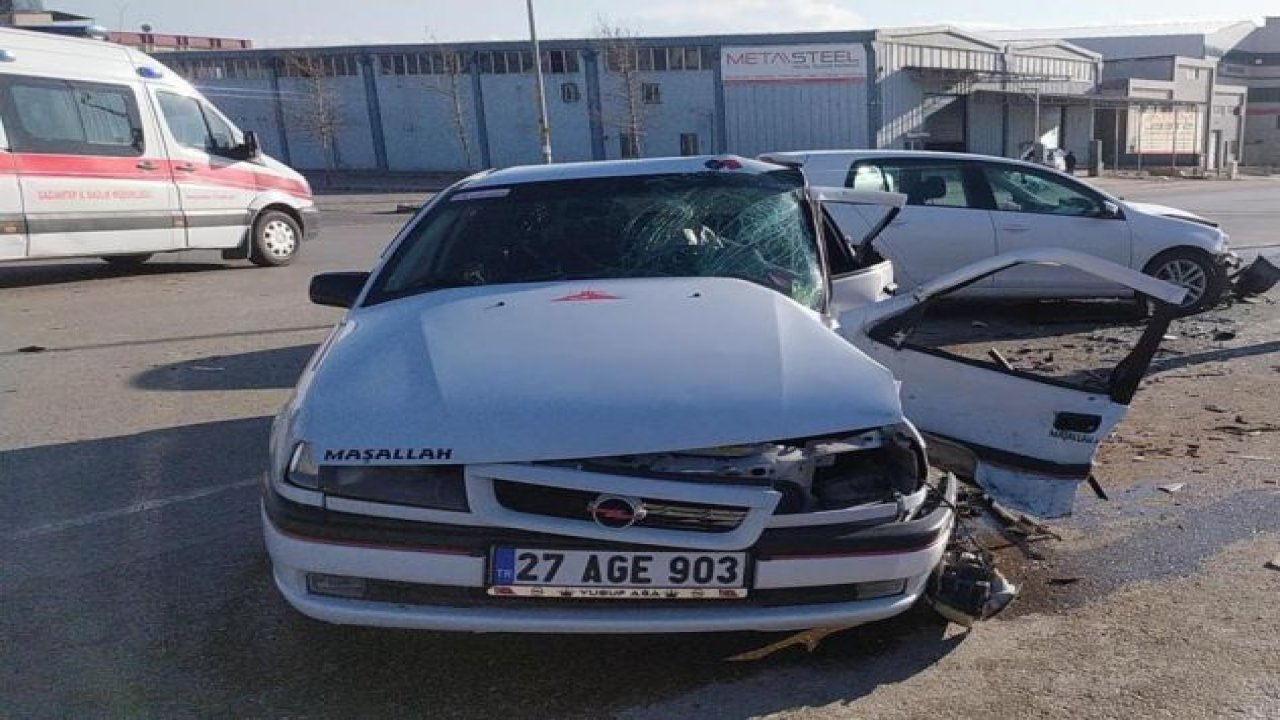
1166, 211
572, 370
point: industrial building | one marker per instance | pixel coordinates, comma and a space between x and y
1203, 66
32, 15
1170, 96
471, 105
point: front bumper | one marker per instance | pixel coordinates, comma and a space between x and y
798, 583
310, 222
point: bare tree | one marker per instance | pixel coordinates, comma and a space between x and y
314, 108
624, 87
447, 61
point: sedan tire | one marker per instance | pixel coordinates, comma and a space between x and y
1204, 279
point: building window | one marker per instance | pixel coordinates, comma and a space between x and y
689, 144
569, 92
1264, 94
314, 66
651, 93
560, 61
659, 59
628, 145
422, 64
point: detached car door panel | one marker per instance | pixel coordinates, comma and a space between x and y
1038, 209
92, 180
1028, 440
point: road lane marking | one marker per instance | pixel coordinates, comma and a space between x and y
144, 506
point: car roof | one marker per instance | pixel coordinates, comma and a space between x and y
618, 168
805, 156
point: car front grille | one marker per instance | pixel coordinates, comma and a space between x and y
576, 505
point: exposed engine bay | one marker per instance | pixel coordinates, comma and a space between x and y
812, 474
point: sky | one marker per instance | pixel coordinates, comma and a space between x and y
276, 23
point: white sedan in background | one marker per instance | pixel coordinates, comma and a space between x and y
962, 208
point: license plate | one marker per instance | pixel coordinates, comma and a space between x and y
609, 575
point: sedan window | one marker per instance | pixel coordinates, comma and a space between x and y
937, 184
753, 227
1019, 190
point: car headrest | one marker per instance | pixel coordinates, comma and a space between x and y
933, 187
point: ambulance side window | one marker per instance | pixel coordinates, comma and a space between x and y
185, 121
45, 115
195, 125
222, 135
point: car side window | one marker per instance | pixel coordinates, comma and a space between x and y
223, 137
185, 121
866, 176
1016, 189
195, 125
934, 184
71, 117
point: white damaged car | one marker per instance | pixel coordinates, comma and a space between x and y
651, 396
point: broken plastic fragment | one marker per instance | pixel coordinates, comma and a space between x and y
967, 588
809, 638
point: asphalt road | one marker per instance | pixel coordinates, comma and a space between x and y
134, 582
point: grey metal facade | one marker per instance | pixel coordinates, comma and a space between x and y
400, 108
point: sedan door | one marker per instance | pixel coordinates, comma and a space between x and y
945, 224
1027, 438
1038, 209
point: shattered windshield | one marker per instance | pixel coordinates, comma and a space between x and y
714, 224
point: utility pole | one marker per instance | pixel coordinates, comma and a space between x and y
544, 128
1036, 143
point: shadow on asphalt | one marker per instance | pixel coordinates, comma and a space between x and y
136, 584
33, 275
256, 370
1183, 361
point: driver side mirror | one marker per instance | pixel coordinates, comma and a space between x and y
246, 150
1110, 211
337, 289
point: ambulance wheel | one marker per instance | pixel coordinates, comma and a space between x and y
127, 260
276, 239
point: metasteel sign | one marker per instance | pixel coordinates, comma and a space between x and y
791, 63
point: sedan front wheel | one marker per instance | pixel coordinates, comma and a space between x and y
1196, 271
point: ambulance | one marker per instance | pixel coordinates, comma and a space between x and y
105, 152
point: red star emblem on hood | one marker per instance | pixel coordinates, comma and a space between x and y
587, 296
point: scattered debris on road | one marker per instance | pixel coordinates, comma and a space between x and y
810, 639
1171, 488
1063, 581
